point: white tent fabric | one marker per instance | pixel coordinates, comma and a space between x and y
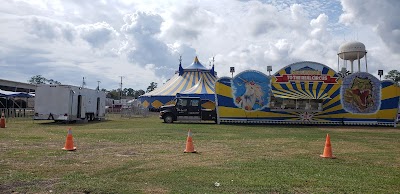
4, 93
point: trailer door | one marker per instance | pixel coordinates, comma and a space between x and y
98, 107
81, 107
70, 104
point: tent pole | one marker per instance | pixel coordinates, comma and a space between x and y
8, 111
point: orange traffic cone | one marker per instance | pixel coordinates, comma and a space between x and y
328, 149
2, 121
69, 143
189, 144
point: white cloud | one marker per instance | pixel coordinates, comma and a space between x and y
187, 22
144, 46
98, 34
319, 26
142, 40
45, 28
297, 12
142, 24
380, 15
320, 21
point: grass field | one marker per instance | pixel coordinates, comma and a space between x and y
144, 155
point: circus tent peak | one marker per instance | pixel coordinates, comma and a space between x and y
196, 65
192, 80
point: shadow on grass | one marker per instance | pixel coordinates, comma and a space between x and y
273, 125
74, 123
302, 126
188, 122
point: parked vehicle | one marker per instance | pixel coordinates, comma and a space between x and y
68, 103
188, 109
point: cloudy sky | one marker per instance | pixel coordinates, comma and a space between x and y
142, 40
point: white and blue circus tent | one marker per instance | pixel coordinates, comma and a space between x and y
8, 94
195, 80
7, 98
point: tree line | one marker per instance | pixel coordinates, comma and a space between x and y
118, 94
393, 75
113, 93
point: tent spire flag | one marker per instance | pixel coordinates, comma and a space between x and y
212, 71
180, 66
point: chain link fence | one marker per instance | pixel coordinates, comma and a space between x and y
134, 111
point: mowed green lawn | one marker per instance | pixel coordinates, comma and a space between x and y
144, 155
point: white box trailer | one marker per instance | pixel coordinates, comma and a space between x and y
68, 103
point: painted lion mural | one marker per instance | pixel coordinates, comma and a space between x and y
360, 93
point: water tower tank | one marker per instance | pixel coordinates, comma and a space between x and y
352, 51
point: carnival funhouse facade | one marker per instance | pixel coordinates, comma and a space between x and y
307, 93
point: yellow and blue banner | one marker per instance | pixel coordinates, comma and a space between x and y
309, 93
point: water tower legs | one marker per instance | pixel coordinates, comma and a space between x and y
352, 69
358, 59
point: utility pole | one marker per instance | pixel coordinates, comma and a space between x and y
120, 92
98, 85
83, 82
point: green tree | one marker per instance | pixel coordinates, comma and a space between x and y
114, 94
128, 92
51, 81
393, 75
39, 79
151, 87
139, 93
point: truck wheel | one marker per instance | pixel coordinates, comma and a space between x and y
168, 119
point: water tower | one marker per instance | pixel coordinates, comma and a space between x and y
352, 51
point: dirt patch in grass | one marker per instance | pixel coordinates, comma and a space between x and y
16, 185
155, 190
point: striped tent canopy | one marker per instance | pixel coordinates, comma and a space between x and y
194, 80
